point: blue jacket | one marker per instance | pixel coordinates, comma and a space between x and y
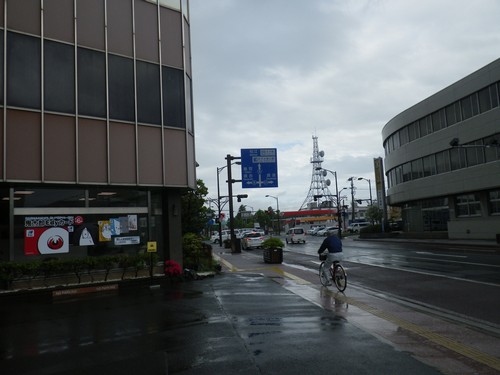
332, 243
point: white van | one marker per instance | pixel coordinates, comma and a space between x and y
296, 235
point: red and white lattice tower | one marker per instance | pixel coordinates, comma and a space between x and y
319, 195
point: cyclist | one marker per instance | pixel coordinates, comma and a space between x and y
333, 244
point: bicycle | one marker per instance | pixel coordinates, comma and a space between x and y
337, 273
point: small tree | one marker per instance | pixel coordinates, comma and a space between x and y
374, 214
195, 215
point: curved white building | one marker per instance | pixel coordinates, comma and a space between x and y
442, 159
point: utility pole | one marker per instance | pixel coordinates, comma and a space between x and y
230, 182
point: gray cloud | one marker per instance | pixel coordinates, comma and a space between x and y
272, 73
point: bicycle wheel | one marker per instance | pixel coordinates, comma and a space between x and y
340, 277
324, 281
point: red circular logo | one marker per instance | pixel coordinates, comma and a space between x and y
78, 220
55, 242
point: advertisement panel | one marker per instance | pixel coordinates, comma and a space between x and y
52, 235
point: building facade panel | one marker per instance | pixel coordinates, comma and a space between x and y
120, 27
175, 158
58, 20
24, 16
171, 35
59, 145
23, 135
123, 163
146, 36
149, 147
92, 151
90, 23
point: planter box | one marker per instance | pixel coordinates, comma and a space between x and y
274, 256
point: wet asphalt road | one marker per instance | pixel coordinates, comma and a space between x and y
232, 323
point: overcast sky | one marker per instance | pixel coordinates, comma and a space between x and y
273, 73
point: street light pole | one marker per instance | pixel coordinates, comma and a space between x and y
278, 212
218, 203
339, 214
352, 198
369, 187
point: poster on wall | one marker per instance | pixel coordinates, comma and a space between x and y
104, 230
47, 235
132, 222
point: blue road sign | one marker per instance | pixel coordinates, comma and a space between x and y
259, 168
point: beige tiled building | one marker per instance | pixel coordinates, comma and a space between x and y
96, 131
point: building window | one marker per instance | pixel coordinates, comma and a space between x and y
417, 169
148, 93
494, 202
399, 174
395, 140
91, 83
429, 165
110, 197
59, 77
406, 172
403, 135
492, 153
435, 214
438, 120
468, 205
28, 197
413, 131
458, 158
475, 155
23, 71
121, 88
452, 113
494, 95
466, 105
484, 100
173, 97
443, 162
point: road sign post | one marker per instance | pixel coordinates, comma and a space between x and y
259, 168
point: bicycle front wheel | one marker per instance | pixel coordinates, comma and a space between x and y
340, 277
324, 281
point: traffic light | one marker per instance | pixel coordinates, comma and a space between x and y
240, 196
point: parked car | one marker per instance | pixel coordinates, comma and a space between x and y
314, 230
296, 235
226, 234
323, 232
252, 240
356, 227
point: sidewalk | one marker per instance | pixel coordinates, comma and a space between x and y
233, 323
263, 328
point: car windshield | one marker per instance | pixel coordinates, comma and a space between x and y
252, 235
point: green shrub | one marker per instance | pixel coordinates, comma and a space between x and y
273, 243
196, 254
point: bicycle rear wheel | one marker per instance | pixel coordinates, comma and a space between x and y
339, 277
324, 281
